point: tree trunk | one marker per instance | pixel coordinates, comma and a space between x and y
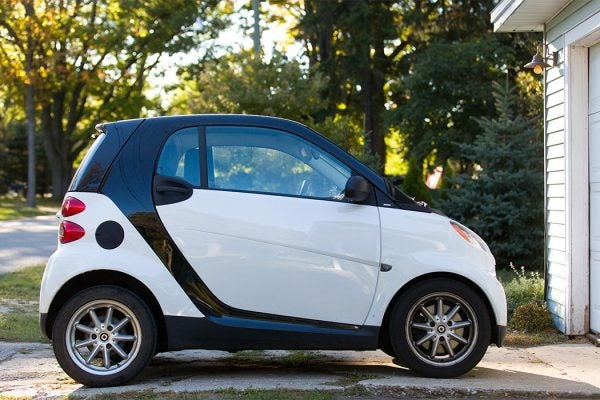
60, 172
31, 178
256, 33
374, 102
57, 150
30, 107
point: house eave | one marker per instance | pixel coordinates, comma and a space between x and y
525, 15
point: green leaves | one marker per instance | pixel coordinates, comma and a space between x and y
91, 60
240, 84
501, 196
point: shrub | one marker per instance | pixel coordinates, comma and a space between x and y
523, 288
501, 196
414, 184
531, 317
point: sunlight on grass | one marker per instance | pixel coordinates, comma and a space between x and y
21, 327
19, 315
16, 208
22, 285
515, 338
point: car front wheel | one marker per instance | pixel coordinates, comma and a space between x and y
104, 336
440, 328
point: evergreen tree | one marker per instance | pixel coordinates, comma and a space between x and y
413, 184
502, 199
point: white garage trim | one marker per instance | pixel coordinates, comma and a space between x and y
577, 41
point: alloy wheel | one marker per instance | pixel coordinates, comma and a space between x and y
441, 329
103, 337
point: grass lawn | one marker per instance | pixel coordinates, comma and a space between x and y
515, 338
23, 285
19, 316
16, 208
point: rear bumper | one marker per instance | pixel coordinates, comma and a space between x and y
43, 319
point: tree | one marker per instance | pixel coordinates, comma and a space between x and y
90, 62
14, 162
445, 79
25, 44
502, 199
450, 84
242, 84
414, 184
357, 44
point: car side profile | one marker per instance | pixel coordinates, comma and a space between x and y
237, 232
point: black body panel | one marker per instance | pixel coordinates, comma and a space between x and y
89, 177
233, 334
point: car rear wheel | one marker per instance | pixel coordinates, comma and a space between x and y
104, 336
440, 328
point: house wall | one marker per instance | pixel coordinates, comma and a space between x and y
559, 221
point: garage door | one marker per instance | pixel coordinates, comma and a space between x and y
594, 132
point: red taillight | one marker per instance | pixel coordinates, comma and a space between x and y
69, 232
72, 206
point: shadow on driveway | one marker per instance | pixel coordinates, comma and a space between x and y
31, 370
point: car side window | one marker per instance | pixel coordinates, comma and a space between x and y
265, 160
180, 156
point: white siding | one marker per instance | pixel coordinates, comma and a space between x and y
557, 125
557, 248
555, 191
555, 217
556, 151
571, 16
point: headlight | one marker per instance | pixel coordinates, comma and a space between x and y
470, 236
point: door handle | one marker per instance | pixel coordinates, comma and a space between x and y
169, 188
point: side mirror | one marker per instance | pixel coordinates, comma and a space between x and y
357, 189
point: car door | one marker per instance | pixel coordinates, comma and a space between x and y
266, 226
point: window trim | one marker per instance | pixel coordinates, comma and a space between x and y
201, 161
203, 164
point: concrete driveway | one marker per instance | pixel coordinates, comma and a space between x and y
27, 242
556, 371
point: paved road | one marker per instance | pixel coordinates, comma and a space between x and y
556, 371
26, 242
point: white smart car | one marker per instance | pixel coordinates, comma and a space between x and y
238, 232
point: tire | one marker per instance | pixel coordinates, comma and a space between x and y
416, 326
97, 354
389, 350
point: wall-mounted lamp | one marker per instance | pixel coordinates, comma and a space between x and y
538, 63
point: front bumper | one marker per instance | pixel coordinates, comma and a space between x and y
500, 334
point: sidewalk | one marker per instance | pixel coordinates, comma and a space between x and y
26, 242
566, 370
